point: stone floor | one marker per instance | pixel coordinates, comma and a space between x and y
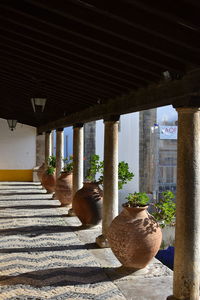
45, 255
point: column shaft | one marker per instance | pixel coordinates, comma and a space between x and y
40, 149
59, 151
48, 146
78, 146
110, 182
187, 237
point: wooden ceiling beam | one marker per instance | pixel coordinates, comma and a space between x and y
43, 63
60, 97
187, 14
53, 49
68, 64
72, 48
178, 92
54, 80
35, 71
121, 12
107, 13
89, 41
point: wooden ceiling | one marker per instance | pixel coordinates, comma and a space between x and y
83, 53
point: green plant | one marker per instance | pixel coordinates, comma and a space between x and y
97, 166
165, 209
123, 174
50, 170
68, 164
52, 161
51, 165
136, 200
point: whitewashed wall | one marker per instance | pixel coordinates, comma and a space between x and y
128, 149
18, 147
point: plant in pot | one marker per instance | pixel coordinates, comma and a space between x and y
87, 202
164, 212
134, 235
63, 187
48, 177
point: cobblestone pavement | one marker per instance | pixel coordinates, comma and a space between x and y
40, 255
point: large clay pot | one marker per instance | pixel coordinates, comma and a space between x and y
134, 237
49, 182
41, 171
87, 204
63, 188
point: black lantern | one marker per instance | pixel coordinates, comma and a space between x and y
38, 104
12, 124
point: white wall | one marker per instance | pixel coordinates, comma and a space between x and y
128, 149
18, 147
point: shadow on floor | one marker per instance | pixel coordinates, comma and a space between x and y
30, 217
36, 230
20, 184
33, 231
30, 207
57, 277
50, 249
21, 188
21, 193
29, 199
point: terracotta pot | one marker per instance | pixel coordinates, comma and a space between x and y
40, 171
87, 204
49, 182
63, 188
134, 237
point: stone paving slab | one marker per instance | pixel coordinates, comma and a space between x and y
45, 255
152, 283
40, 255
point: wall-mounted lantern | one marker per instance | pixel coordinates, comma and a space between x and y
12, 124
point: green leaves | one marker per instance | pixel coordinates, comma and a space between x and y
51, 165
68, 164
50, 170
52, 161
165, 209
137, 199
123, 174
97, 166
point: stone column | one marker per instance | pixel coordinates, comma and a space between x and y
89, 144
40, 156
59, 151
78, 146
48, 146
187, 234
110, 182
40, 149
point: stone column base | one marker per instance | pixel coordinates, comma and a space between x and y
54, 196
35, 176
174, 298
71, 213
102, 241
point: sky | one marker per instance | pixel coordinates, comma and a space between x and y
166, 113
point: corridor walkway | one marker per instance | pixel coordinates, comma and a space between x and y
43, 255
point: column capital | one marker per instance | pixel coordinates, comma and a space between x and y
59, 129
191, 102
78, 125
48, 131
112, 118
187, 110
